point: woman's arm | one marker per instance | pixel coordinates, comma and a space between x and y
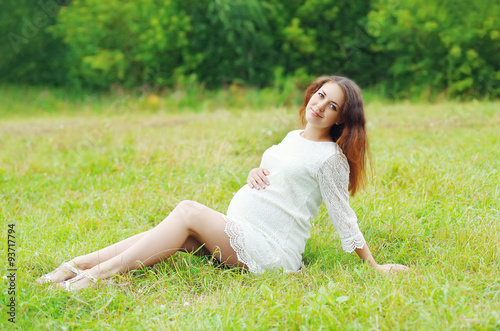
367, 257
334, 182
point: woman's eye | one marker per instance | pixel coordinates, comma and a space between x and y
321, 95
333, 107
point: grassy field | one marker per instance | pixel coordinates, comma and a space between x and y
73, 181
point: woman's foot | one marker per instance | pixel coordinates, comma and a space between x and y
83, 280
65, 271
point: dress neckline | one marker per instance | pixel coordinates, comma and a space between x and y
299, 132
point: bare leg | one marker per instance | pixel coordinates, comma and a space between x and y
191, 245
102, 255
88, 261
84, 262
188, 220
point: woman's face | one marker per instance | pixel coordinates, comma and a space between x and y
323, 108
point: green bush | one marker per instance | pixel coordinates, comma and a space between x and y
121, 43
411, 48
28, 53
217, 42
324, 37
450, 46
231, 42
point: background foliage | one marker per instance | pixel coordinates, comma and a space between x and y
402, 48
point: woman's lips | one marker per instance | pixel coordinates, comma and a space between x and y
315, 113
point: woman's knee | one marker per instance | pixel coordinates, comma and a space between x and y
189, 210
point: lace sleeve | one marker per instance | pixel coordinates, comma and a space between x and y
334, 183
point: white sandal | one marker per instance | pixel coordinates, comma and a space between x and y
47, 278
83, 274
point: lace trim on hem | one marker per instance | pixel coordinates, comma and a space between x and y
352, 244
236, 241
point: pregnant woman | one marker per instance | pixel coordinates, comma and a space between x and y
268, 220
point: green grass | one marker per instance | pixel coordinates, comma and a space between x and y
76, 180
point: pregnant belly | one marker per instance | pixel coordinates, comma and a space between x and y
269, 216
252, 203
265, 210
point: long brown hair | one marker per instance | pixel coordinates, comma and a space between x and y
350, 134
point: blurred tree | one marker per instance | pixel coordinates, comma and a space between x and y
232, 41
124, 43
406, 47
328, 37
450, 46
28, 53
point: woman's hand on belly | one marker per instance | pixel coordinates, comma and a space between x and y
257, 178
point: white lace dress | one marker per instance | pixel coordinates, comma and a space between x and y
269, 228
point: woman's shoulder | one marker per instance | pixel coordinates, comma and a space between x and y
291, 136
293, 133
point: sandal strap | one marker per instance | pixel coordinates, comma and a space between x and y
47, 278
83, 274
74, 270
87, 275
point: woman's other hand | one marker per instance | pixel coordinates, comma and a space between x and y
257, 178
367, 257
392, 268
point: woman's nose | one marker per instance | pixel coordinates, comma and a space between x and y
321, 105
